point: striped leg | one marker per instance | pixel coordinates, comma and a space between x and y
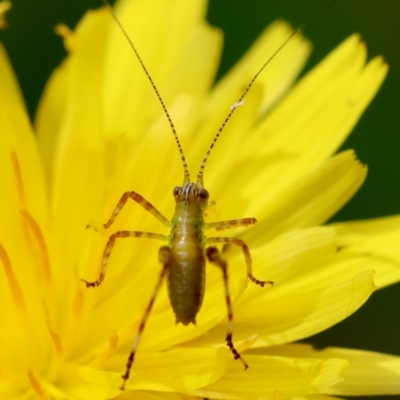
110, 245
234, 223
214, 256
141, 201
164, 256
246, 253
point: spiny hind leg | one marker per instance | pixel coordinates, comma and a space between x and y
110, 245
246, 253
142, 202
164, 256
214, 256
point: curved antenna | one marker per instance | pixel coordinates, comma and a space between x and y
186, 175
240, 102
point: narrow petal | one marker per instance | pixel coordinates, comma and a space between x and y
308, 202
49, 118
311, 257
127, 395
219, 165
178, 21
9, 84
288, 317
276, 378
69, 113
376, 238
318, 397
194, 72
284, 148
175, 370
22, 175
309, 314
282, 70
369, 373
323, 108
84, 383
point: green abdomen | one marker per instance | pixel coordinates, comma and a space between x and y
186, 275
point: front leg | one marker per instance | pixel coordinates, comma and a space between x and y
142, 202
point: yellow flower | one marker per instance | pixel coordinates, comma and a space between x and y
102, 132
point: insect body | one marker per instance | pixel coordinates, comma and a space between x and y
186, 264
183, 258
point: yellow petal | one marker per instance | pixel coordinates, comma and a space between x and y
153, 396
315, 118
307, 202
84, 383
228, 146
22, 176
49, 117
281, 71
376, 239
73, 96
279, 316
179, 22
274, 378
369, 373
311, 312
175, 370
102, 138
318, 397
9, 85
282, 148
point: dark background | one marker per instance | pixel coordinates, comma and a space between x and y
35, 51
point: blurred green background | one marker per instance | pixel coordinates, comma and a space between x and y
35, 51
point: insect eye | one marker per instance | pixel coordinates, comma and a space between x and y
177, 190
203, 193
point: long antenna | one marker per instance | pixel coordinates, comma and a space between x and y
240, 102
186, 175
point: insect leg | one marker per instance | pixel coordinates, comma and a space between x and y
214, 256
246, 253
164, 256
141, 201
110, 245
234, 223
